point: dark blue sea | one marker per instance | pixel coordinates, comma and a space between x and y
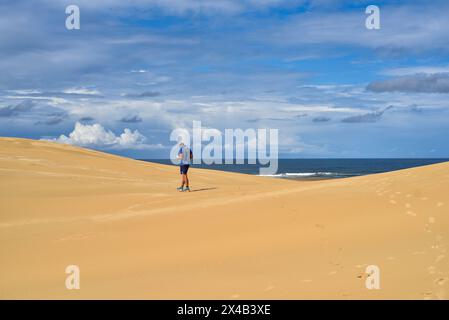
322, 168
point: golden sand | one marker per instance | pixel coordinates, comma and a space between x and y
234, 237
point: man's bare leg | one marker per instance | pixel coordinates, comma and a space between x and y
183, 180
182, 183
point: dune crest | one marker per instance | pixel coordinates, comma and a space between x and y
234, 237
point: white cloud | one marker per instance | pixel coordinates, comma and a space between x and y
84, 91
139, 71
420, 83
414, 70
96, 135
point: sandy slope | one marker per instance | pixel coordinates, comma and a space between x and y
237, 236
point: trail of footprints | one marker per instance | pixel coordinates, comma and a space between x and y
438, 248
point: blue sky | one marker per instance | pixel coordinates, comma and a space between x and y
138, 69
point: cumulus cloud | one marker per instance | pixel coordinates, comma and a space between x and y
96, 135
420, 83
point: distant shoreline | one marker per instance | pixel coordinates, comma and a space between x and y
321, 169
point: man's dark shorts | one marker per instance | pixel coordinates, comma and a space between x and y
184, 168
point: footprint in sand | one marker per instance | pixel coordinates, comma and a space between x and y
439, 258
441, 295
431, 269
427, 228
391, 258
333, 272
306, 281
75, 237
424, 198
408, 205
431, 220
427, 295
411, 213
408, 195
269, 288
393, 202
441, 281
440, 204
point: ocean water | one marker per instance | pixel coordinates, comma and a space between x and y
322, 168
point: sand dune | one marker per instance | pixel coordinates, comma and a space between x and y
235, 237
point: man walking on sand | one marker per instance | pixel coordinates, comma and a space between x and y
185, 155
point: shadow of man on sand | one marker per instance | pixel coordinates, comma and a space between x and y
203, 189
